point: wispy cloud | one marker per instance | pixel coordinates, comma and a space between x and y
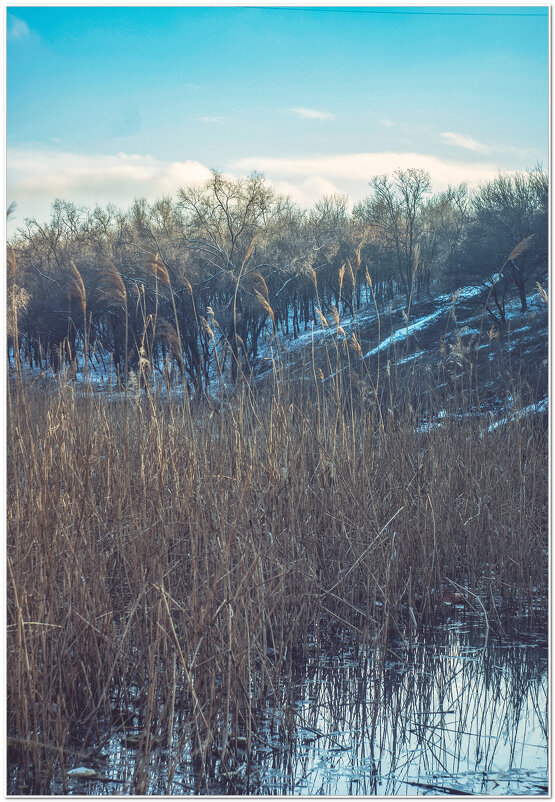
211, 120
386, 123
463, 141
312, 114
17, 29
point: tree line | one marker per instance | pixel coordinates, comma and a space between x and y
192, 283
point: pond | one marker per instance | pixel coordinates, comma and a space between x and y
448, 711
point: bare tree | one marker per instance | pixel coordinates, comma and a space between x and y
505, 212
395, 209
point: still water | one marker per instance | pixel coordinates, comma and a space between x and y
451, 712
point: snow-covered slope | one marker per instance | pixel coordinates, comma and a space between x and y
455, 329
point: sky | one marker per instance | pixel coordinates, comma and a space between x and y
105, 104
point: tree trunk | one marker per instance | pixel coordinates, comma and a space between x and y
519, 282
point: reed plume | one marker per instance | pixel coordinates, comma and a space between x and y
112, 285
341, 277
358, 255
519, 249
155, 264
416, 258
258, 283
321, 318
235, 337
171, 337
248, 252
355, 345
351, 274
542, 292
77, 289
206, 327
263, 303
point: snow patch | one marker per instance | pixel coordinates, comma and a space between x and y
531, 409
405, 332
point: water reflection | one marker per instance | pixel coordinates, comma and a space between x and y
445, 715
442, 714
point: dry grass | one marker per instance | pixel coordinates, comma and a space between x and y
157, 549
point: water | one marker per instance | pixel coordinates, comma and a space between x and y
449, 717
447, 714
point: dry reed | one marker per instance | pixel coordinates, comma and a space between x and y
159, 551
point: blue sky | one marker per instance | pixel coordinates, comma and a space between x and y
106, 104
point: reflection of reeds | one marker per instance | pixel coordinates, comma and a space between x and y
442, 713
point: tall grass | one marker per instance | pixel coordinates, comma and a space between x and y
159, 551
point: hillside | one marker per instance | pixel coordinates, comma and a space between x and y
453, 331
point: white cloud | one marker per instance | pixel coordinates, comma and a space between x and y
463, 141
17, 28
211, 120
306, 191
312, 114
350, 172
387, 123
37, 175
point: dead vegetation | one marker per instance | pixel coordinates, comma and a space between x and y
169, 559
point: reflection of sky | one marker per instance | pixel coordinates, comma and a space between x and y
458, 718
